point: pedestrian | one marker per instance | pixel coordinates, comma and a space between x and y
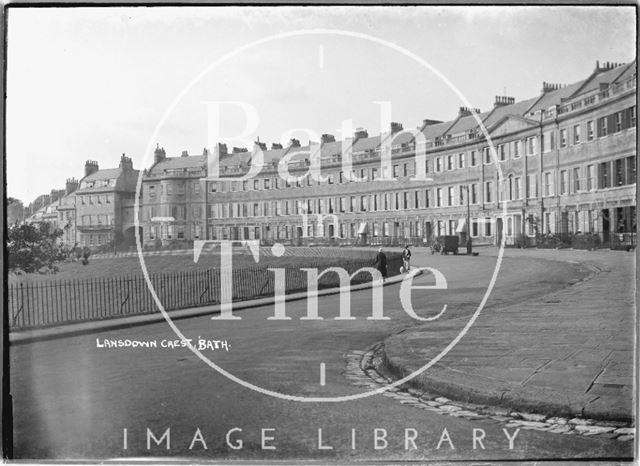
381, 263
406, 259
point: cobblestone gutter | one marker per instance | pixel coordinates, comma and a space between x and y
367, 369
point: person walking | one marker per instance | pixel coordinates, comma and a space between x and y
381, 263
406, 259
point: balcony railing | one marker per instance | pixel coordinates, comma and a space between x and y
593, 97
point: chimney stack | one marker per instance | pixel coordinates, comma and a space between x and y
71, 186
275, 145
221, 149
238, 150
294, 142
261, 145
396, 127
159, 154
327, 138
185, 153
126, 163
501, 101
427, 122
466, 111
360, 133
90, 166
548, 87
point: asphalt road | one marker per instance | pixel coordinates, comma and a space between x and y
73, 399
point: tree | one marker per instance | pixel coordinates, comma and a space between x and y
15, 211
35, 248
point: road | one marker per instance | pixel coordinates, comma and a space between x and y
73, 399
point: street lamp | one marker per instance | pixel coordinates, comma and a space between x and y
469, 242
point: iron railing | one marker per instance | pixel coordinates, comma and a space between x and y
54, 302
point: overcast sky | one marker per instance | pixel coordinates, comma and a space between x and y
93, 83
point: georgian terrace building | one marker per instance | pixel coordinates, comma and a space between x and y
567, 156
104, 205
173, 198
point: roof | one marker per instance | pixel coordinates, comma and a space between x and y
466, 123
552, 98
177, 163
592, 83
366, 144
433, 131
518, 109
106, 174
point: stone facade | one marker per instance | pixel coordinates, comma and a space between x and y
104, 205
563, 162
566, 163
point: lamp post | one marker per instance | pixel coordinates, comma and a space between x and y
469, 242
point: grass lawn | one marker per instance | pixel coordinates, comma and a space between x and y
130, 266
112, 287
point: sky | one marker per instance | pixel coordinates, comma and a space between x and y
94, 83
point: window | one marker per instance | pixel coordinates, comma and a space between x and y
374, 174
330, 179
517, 193
474, 158
632, 116
547, 185
404, 170
427, 198
256, 185
564, 182
405, 201
619, 172
438, 197
516, 149
532, 186
591, 177
618, 121
450, 164
267, 183
590, 130
451, 196
363, 203
576, 134
502, 153
602, 127
395, 171
576, 180
488, 191
631, 169
426, 166
531, 146
563, 137
416, 200
486, 155
487, 226
604, 180
343, 204
152, 191
461, 160
474, 193
548, 139
169, 190
474, 227
341, 177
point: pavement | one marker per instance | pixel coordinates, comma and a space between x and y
567, 353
